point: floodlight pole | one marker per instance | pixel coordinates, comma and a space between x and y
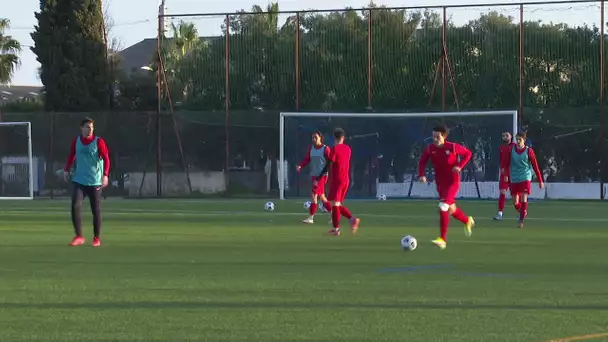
159, 178
175, 128
602, 140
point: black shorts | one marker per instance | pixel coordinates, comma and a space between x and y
82, 191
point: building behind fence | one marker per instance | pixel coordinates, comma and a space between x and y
221, 93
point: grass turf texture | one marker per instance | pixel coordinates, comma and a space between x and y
225, 270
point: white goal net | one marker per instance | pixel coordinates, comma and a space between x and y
16, 161
386, 148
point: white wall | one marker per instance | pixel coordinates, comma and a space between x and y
176, 183
489, 190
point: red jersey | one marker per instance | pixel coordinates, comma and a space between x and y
444, 159
505, 159
340, 166
102, 148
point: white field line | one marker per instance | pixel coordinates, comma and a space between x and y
53, 211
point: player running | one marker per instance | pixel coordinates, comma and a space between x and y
521, 163
503, 181
317, 158
444, 156
90, 157
339, 161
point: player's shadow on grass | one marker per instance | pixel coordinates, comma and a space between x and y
288, 306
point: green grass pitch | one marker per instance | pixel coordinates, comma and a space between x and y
226, 270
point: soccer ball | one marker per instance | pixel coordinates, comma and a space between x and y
409, 243
382, 197
269, 206
307, 205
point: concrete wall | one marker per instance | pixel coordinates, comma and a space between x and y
176, 184
203, 183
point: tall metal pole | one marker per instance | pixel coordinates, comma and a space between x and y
443, 60
227, 104
602, 139
51, 147
297, 62
369, 61
520, 113
159, 175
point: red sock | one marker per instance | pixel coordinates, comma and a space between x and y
501, 202
517, 206
444, 221
523, 212
460, 216
327, 206
313, 209
345, 212
335, 217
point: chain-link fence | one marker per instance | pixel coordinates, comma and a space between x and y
227, 76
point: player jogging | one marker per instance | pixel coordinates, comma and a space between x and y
444, 156
521, 164
503, 181
90, 158
339, 163
317, 158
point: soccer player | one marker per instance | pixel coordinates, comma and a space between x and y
339, 162
448, 160
90, 158
317, 158
521, 164
503, 181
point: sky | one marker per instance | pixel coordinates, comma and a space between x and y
135, 20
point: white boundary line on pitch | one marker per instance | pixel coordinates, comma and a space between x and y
565, 202
580, 338
194, 213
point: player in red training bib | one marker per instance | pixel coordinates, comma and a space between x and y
522, 162
316, 158
504, 179
448, 160
339, 166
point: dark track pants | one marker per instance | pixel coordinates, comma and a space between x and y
94, 194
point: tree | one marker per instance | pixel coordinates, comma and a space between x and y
70, 46
9, 50
184, 46
561, 68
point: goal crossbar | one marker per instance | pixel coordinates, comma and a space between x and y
30, 157
283, 115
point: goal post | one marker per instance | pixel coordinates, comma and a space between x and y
386, 146
16, 161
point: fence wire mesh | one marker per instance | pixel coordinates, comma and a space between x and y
227, 77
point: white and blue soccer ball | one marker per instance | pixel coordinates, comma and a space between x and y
382, 197
409, 243
269, 206
307, 205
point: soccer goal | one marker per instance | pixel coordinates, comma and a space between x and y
386, 148
16, 161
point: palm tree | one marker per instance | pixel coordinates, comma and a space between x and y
185, 37
9, 48
181, 49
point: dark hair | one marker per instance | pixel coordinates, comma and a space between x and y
339, 133
521, 135
319, 134
441, 128
86, 121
